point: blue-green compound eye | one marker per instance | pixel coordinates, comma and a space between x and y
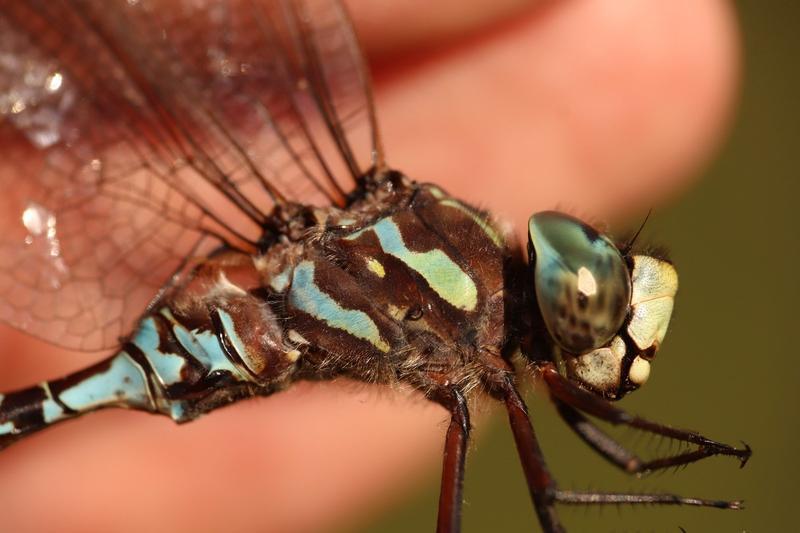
582, 283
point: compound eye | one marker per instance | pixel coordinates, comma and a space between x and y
583, 286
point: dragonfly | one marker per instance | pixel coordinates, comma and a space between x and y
200, 190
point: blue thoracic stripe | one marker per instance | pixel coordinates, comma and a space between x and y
306, 296
443, 275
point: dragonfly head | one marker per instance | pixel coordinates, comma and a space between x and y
606, 310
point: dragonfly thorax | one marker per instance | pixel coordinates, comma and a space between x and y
406, 286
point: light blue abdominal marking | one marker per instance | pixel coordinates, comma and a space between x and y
123, 383
204, 346
167, 366
230, 331
443, 275
482, 223
306, 296
51, 410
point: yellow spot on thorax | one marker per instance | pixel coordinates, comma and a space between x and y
376, 267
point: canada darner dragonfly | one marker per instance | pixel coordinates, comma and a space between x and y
205, 194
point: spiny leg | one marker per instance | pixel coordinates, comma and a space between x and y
543, 488
615, 452
606, 498
455, 451
588, 402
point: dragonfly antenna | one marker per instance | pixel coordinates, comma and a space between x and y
627, 248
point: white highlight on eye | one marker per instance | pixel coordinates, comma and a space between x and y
586, 282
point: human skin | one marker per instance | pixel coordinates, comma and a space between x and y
603, 107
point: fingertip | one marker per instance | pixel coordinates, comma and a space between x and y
610, 106
679, 95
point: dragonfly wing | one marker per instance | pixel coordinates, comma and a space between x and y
139, 136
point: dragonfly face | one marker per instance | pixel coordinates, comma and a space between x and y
200, 188
606, 312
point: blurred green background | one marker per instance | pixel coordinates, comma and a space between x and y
729, 367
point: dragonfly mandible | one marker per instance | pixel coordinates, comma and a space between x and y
206, 196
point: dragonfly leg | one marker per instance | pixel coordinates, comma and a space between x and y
546, 494
540, 483
115, 382
455, 451
610, 498
567, 392
615, 452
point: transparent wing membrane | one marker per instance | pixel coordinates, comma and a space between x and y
137, 136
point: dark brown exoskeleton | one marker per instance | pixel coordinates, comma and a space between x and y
184, 170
